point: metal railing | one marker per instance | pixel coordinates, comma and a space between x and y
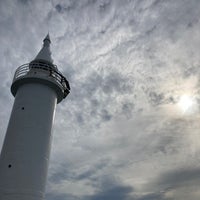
51, 69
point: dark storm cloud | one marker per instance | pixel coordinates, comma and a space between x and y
178, 183
152, 196
52, 196
180, 177
114, 193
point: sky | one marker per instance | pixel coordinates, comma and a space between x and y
129, 129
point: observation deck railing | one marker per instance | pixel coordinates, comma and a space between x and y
51, 69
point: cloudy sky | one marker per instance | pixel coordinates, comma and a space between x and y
129, 130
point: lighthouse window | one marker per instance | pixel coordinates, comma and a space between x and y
22, 108
9, 166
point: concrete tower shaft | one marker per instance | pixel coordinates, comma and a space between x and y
37, 86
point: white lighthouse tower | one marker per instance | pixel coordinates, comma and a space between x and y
37, 88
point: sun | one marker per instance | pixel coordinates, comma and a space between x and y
187, 104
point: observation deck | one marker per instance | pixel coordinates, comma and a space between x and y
44, 73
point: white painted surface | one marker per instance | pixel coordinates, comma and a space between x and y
37, 88
27, 144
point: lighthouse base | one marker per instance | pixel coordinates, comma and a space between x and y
22, 195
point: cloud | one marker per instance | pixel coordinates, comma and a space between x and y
119, 134
178, 183
117, 192
179, 177
60, 197
152, 196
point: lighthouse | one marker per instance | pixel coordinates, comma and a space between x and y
37, 87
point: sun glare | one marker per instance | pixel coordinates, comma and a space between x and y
186, 104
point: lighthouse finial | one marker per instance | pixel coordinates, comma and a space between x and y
45, 53
47, 37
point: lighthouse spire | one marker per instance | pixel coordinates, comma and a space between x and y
45, 53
